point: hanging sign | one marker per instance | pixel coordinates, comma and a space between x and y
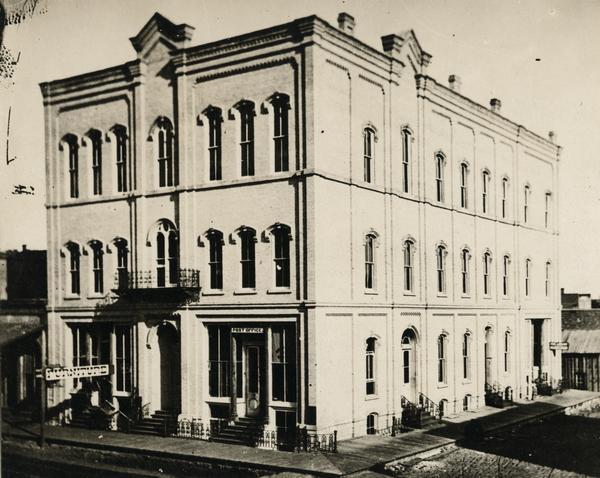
559, 345
247, 330
62, 373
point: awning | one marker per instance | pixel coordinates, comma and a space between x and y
15, 327
582, 341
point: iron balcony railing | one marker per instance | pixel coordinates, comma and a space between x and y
157, 279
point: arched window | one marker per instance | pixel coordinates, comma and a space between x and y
121, 158
465, 259
526, 197
441, 269
547, 209
122, 274
368, 153
248, 260
505, 275
167, 255
406, 159
409, 250
73, 163
281, 235
97, 266
466, 353
215, 259
467, 402
547, 281
74, 286
167, 167
485, 185
527, 277
370, 261
440, 161
96, 143
215, 120
464, 192
281, 105
372, 419
246, 109
370, 365
442, 345
487, 265
507, 345
504, 199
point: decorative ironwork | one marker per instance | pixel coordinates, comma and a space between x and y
412, 415
182, 278
429, 406
393, 429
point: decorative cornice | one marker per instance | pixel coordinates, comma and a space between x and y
246, 68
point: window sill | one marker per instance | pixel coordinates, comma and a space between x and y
96, 296
278, 405
442, 385
409, 293
371, 292
224, 400
467, 381
465, 296
245, 292
280, 290
442, 296
71, 297
487, 297
121, 394
371, 397
212, 292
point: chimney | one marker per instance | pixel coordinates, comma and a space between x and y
552, 136
454, 82
495, 105
346, 23
24, 247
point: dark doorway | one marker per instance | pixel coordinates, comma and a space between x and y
537, 325
170, 368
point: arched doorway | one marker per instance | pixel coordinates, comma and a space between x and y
170, 368
488, 351
409, 365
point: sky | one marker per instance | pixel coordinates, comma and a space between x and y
491, 45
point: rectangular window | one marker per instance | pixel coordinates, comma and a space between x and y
406, 366
282, 258
368, 137
215, 263
121, 149
74, 271
218, 355
214, 146
97, 166
466, 357
280, 136
506, 352
442, 359
248, 261
439, 177
370, 372
247, 141
408, 266
463, 185
73, 170
98, 271
406, 145
505, 276
504, 197
284, 364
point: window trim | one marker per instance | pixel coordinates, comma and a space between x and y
441, 252
527, 275
464, 184
407, 140
506, 261
485, 192
281, 232
440, 165
409, 250
371, 367
370, 244
465, 271
214, 238
369, 140
487, 274
442, 359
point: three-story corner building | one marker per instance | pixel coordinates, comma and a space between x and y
293, 226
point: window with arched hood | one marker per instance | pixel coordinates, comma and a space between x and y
527, 277
368, 154
442, 346
246, 115
409, 251
370, 365
464, 192
505, 275
281, 259
74, 252
548, 279
72, 149
370, 261
466, 355
487, 270
485, 186
440, 162
281, 105
504, 198
167, 255
122, 267
526, 199
547, 209
97, 266
248, 257
165, 145
121, 158
507, 350
215, 259
465, 259
214, 120
372, 419
96, 144
441, 268
406, 159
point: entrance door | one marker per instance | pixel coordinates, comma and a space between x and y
487, 351
253, 380
537, 325
409, 369
170, 368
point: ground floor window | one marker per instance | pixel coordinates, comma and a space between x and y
372, 424
285, 421
219, 346
284, 364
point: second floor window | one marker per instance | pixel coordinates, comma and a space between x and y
246, 110
74, 269
504, 199
485, 185
282, 256
370, 366
464, 172
409, 249
248, 261
215, 260
526, 198
465, 258
73, 150
487, 264
98, 267
166, 159
167, 253
121, 158
214, 144
439, 177
547, 281
466, 352
527, 277
441, 269
96, 140
122, 253
368, 151
370, 261
442, 344
547, 208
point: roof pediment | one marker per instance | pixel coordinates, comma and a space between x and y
163, 33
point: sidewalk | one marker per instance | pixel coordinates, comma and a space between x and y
354, 456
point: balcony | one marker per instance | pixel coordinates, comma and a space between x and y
158, 285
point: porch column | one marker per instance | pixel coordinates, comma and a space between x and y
268, 374
233, 375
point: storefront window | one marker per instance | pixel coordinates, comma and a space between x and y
124, 358
218, 356
284, 364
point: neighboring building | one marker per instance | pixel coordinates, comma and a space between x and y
581, 330
293, 226
23, 292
